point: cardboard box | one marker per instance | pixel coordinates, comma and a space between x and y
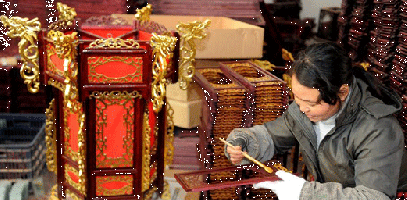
174, 92
187, 114
226, 39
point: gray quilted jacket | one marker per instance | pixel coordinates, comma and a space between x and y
363, 157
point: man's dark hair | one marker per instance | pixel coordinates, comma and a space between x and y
323, 66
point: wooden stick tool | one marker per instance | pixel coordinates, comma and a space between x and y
266, 168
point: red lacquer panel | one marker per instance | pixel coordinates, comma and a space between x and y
114, 185
114, 133
71, 129
115, 69
144, 36
107, 32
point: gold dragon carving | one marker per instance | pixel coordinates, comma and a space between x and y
189, 33
163, 50
27, 30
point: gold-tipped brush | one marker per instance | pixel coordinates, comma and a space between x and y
267, 169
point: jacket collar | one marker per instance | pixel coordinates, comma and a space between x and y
348, 113
361, 98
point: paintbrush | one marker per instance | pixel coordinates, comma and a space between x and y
266, 168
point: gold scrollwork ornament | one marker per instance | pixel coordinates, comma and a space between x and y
50, 138
189, 33
163, 50
27, 30
82, 155
114, 43
169, 143
146, 152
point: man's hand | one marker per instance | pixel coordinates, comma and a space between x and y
289, 188
235, 153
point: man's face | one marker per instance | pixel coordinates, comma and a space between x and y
307, 100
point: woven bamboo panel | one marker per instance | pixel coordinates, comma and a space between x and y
226, 108
227, 102
270, 95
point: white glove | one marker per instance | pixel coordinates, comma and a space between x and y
289, 188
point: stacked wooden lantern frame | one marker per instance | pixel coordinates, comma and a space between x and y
237, 94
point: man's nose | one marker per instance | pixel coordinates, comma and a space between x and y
304, 108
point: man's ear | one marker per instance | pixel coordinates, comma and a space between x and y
343, 92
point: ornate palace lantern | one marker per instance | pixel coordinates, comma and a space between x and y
109, 129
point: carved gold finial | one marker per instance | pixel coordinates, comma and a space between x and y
163, 50
189, 32
27, 30
66, 13
143, 15
66, 17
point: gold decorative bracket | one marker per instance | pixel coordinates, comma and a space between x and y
27, 30
189, 33
163, 50
143, 15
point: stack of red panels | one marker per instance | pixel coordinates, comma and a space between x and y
398, 72
247, 11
